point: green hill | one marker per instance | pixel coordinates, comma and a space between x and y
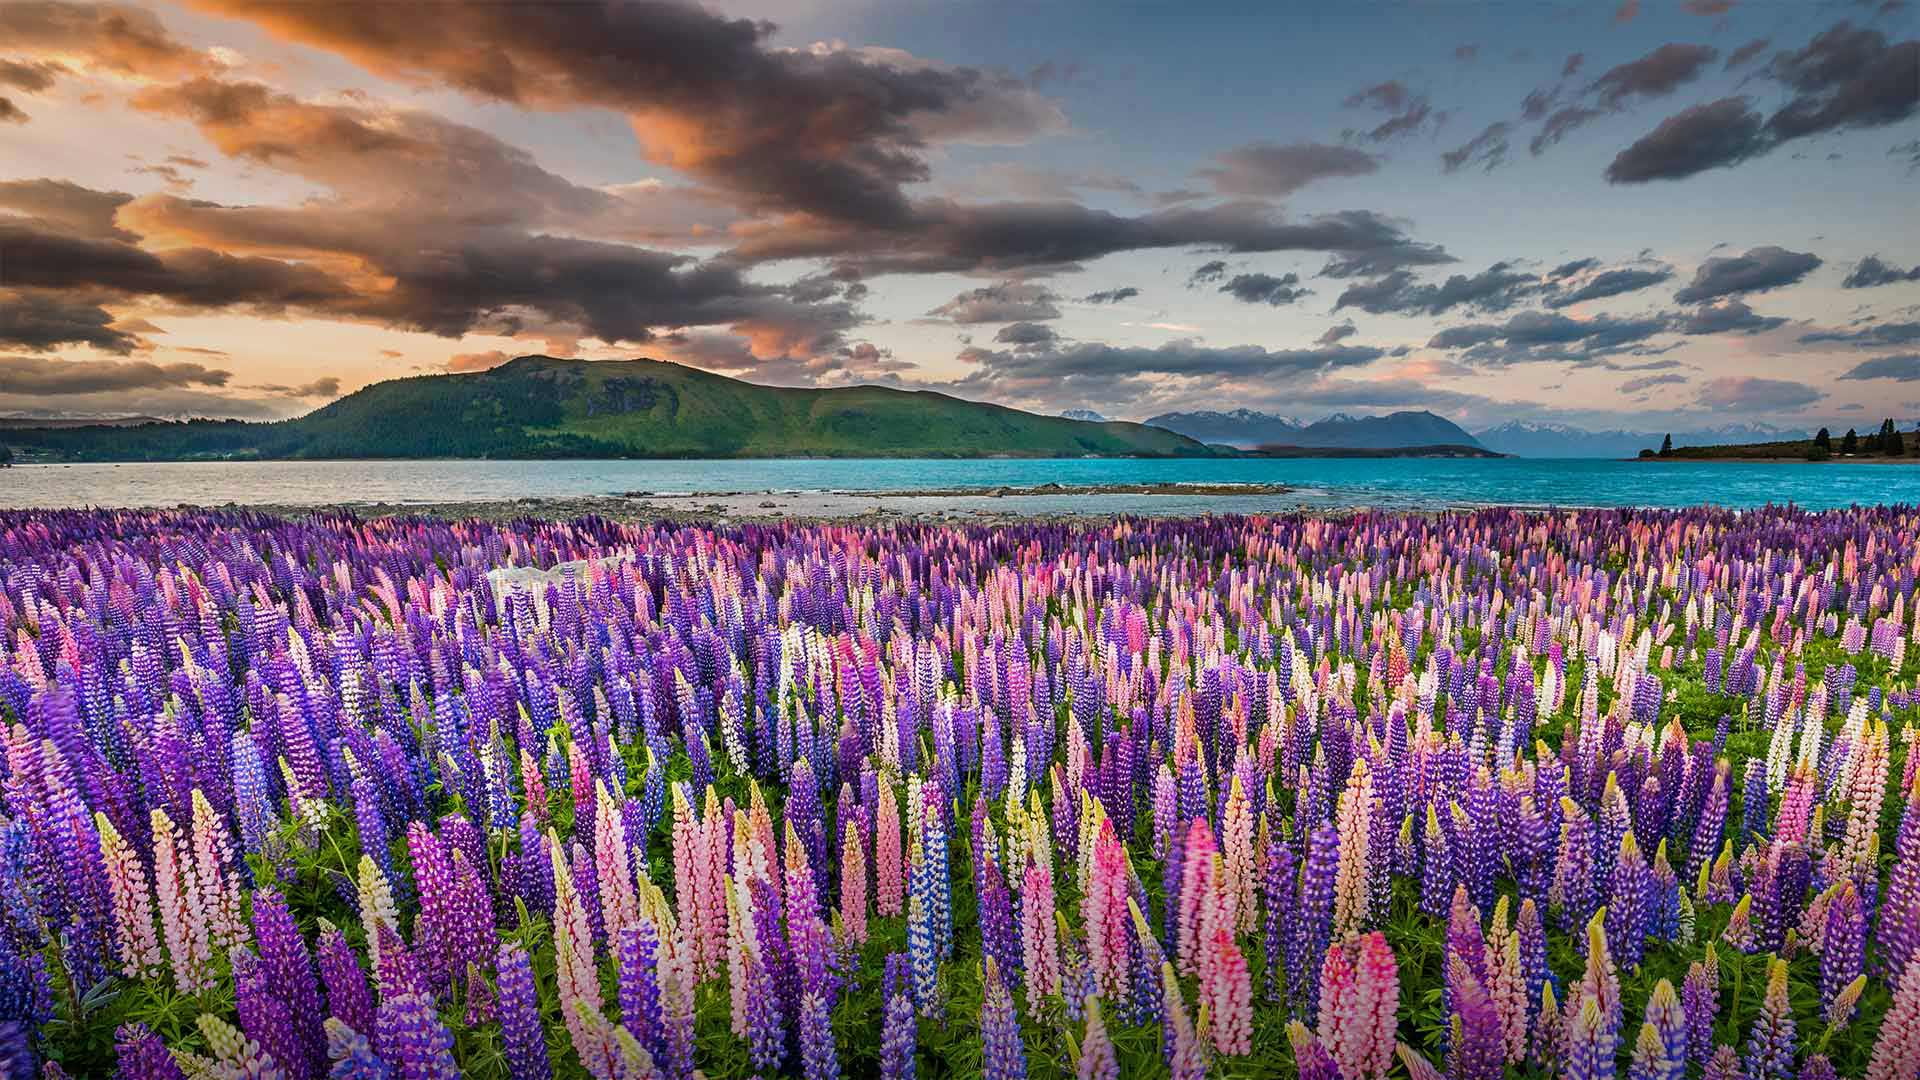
540, 407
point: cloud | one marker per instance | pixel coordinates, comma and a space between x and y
1758, 270
1009, 301
1846, 77
1026, 335
30, 76
325, 387
1707, 8
1265, 289
1903, 367
1754, 394
1207, 273
1626, 12
1538, 336
1611, 283
39, 320
1725, 317
118, 38
1693, 140
476, 361
1269, 169
73, 209
1111, 296
1104, 372
44, 376
1407, 112
830, 131
1487, 149
1747, 52
1656, 74
11, 113
1870, 271
1877, 334
950, 237
1494, 289
1336, 334
1648, 382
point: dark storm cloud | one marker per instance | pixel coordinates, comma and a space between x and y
1870, 271
832, 133
1111, 296
1176, 359
1269, 169
33, 375
1847, 77
1755, 394
197, 277
1494, 289
40, 321
1265, 289
1407, 112
1611, 283
1725, 317
1904, 367
1009, 301
1758, 270
1487, 149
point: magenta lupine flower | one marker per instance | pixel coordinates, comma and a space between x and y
1311, 1061
348, 996
1476, 1048
1359, 1004
264, 1016
289, 972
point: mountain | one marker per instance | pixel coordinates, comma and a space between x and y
1241, 427
540, 407
1383, 432
1527, 439
10, 422
1083, 414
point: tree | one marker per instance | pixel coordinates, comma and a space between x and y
1666, 446
1890, 442
1850, 442
1823, 439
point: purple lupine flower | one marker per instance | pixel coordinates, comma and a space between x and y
353, 1057
1843, 946
140, 1055
640, 987
523, 1040
414, 1041
1475, 1051
818, 1056
898, 1027
1316, 909
264, 1016
1277, 894
1699, 999
348, 996
290, 976
1003, 1056
766, 1032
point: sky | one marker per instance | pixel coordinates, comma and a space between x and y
1645, 214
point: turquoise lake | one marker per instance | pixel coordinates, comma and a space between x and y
1315, 482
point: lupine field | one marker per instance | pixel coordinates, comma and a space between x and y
1466, 795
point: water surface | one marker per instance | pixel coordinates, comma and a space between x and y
1405, 482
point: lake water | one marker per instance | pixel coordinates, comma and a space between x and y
1408, 482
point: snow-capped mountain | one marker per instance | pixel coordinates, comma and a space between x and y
1083, 414
1533, 439
1240, 427
1247, 428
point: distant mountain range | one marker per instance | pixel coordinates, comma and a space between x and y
1526, 439
540, 407
1247, 429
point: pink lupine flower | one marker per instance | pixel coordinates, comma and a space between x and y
1227, 995
184, 922
134, 936
1359, 1005
1039, 940
890, 891
853, 886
